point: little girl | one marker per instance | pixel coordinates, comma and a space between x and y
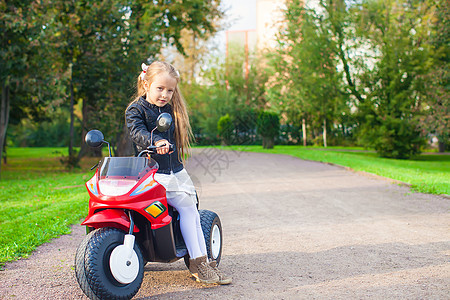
157, 92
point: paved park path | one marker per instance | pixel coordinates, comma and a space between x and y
293, 229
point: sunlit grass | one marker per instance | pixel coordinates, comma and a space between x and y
39, 199
36, 152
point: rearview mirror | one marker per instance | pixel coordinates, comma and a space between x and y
94, 138
163, 122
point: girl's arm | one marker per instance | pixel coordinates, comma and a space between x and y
139, 133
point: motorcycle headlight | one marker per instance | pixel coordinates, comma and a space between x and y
92, 185
147, 185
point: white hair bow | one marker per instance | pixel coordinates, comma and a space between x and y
144, 70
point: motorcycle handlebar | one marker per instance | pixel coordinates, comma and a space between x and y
152, 149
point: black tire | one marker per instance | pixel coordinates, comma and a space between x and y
80, 270
92, 266
212, 231
89, 229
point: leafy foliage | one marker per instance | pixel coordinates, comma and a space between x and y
390, 125
88, 54
365, 62
375, 70
434, 117
225, 129
228, 90
268, 126
307, 83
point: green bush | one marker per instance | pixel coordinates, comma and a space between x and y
268, 126
49, 133
225, 128
391, 137
290, 134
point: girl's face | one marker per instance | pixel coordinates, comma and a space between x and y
161, 90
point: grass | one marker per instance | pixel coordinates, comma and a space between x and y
39, 199
426, 173
42, 152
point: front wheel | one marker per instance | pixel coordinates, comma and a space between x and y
212, 231
94, 267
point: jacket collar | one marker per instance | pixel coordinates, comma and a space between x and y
143, 101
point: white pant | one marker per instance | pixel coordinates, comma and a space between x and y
191, 228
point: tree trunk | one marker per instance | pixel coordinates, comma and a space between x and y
194, 45
441, 146
4, 117
325, 132
125, 146
84, 148
268, 142
4, 151
71, 114
304, 131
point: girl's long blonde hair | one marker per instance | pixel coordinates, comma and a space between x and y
183, 130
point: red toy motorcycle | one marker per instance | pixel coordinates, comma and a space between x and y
130, 223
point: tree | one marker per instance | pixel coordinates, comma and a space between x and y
88, 53
228, 90
103, 44
157, 25
434, 114
398, 33
306, 80
225, 129
268, 125
19, 39
375, 58
88, 39
434, 118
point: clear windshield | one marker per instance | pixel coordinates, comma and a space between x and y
118, 175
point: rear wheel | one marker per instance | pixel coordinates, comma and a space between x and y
212, 231
94, 266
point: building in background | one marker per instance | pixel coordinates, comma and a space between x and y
268, 20
251, 41
241, 42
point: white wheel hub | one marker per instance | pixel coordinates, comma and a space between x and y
124, 263
215, 242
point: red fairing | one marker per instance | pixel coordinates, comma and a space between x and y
145, 192
110, 218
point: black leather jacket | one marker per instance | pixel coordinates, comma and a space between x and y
140, 118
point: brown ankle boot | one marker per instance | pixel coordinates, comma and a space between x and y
223, 279
202, 271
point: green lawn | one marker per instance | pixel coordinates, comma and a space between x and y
427, 173
37, 152
39, 199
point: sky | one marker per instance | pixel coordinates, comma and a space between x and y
240, 14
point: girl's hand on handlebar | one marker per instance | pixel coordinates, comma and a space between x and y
163, 147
